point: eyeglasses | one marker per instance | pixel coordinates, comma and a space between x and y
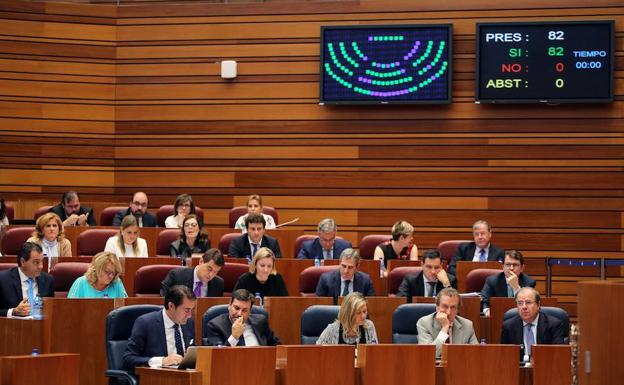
139, 204
110, 273
511, 265
186, 205
522, 303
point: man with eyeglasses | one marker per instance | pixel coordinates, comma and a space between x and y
72, 213
160, 338
507, 283
532, 326
138, 208
326, 245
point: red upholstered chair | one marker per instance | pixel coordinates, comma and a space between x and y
7, 265
396, 275
226, 239
42, 210
15, 238
309, 277
231, 272
148, 279
368, 243
164, 240
65, 273
166, 210
299, 242
236, 212
10, 212
447, 249
476, 279
107, 215
92, 241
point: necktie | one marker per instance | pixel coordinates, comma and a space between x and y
241, 341
431, 289
510, 292
254, 248
31, 295
327, 254
482, 255
198, 289
528, 338
178, 340
345, 290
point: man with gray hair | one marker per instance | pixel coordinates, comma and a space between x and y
326, 245
481, 250
346, 279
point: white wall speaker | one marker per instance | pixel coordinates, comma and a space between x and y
228, 69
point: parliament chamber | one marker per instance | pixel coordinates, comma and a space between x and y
107, 98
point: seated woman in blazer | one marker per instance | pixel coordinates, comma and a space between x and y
352, 327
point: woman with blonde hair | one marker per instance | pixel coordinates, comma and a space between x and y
127, 243
352, 327
49, 235
254, 206
401, 246
262, 277
101, 279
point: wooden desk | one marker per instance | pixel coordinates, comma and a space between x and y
48, 369
498, 307
464, 267
20, 336
237, 366
285, 315
314, 365
480, 364
552, 364
149, 376
394, 364
394, 263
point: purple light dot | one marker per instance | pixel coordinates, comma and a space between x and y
370, 38
402, 70
405, 57
433, 78
428, 67
360, 78
365, 58
396, 63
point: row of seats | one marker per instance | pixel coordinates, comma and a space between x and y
108, 213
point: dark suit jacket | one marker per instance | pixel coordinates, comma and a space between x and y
60, 211
329, 284
11, 288
148, 339
413, 285
550, 331
219, 329
149, 220
184, 276
312, 249
496, 286
465, 252
240, 248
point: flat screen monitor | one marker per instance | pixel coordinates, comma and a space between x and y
385, 64
547, 62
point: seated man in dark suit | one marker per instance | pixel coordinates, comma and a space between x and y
138, 208
239, 327
20, 285
507, 283
326, 246
481, 250
203, 279
249, 243
429, 281
346, 279
72, 213
531, 326
160, 338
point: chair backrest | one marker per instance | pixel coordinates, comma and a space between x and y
10, 212
368, 243
92, 241
107, 215
404, 320
217, 310
148, 279
41, 210
314, 320
552, 311
164, 240
396, 275
119, 323
309, 277
447, 250
299, 242
64, 274
14, 239
231, 272
238, 211
167, 210
475, 280
226, 239
7, 265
